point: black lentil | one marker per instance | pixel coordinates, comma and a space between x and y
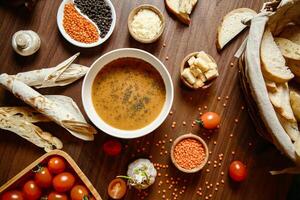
98, 11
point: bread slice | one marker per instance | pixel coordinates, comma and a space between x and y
291, 128
271, 86
273, 63
297, 146
232, 25
281, 102
181, 9
291, 32
295, 103
294, 66
288, 48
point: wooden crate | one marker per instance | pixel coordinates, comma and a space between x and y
16, 180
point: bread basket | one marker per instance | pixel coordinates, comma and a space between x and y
275, 15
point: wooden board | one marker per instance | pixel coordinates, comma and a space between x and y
236, 134
27, 172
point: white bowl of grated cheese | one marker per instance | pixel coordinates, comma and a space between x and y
146, 23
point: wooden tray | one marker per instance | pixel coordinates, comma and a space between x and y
13, 182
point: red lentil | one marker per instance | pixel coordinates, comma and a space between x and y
189, 153
78, 27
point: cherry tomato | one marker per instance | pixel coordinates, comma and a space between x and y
63, 182
117, 188
43, 178
112, 147
56, 165
79, 192
12, 195
57, 196
237, 171
209, 120
31, 190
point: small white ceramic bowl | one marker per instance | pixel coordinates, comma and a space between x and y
94, 70
60, 16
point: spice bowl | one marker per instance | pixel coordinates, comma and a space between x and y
132, 15
195, 160
184, 64
60, 18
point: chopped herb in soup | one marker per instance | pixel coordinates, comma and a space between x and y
128, 93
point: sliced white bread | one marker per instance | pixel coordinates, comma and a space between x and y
181, 9
281, 102
295, 103
291, 128
291, 32
271, 86
272, 61
294, 65
232, 25
288, 48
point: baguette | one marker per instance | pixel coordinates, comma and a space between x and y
291, 128
281, 102
288, 48
291, 32
271, 86
273, 63
294, 65
295, 103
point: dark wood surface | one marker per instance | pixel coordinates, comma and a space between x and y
180, 40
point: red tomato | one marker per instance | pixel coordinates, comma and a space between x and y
63, 182
209, 120
79, 192
57, 196
237, 171
56, 165
12, 195
43, 178
117, 188
31, 190
112, 147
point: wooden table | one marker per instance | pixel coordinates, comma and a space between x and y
235, 140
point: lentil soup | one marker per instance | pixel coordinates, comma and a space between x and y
128, 93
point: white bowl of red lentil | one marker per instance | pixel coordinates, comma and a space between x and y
88, 96
87, 34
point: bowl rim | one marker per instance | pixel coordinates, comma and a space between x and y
88, 104
153, 8
59, 18
183, 66
198, 138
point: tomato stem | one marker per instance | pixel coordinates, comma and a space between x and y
37, 168
199, 122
